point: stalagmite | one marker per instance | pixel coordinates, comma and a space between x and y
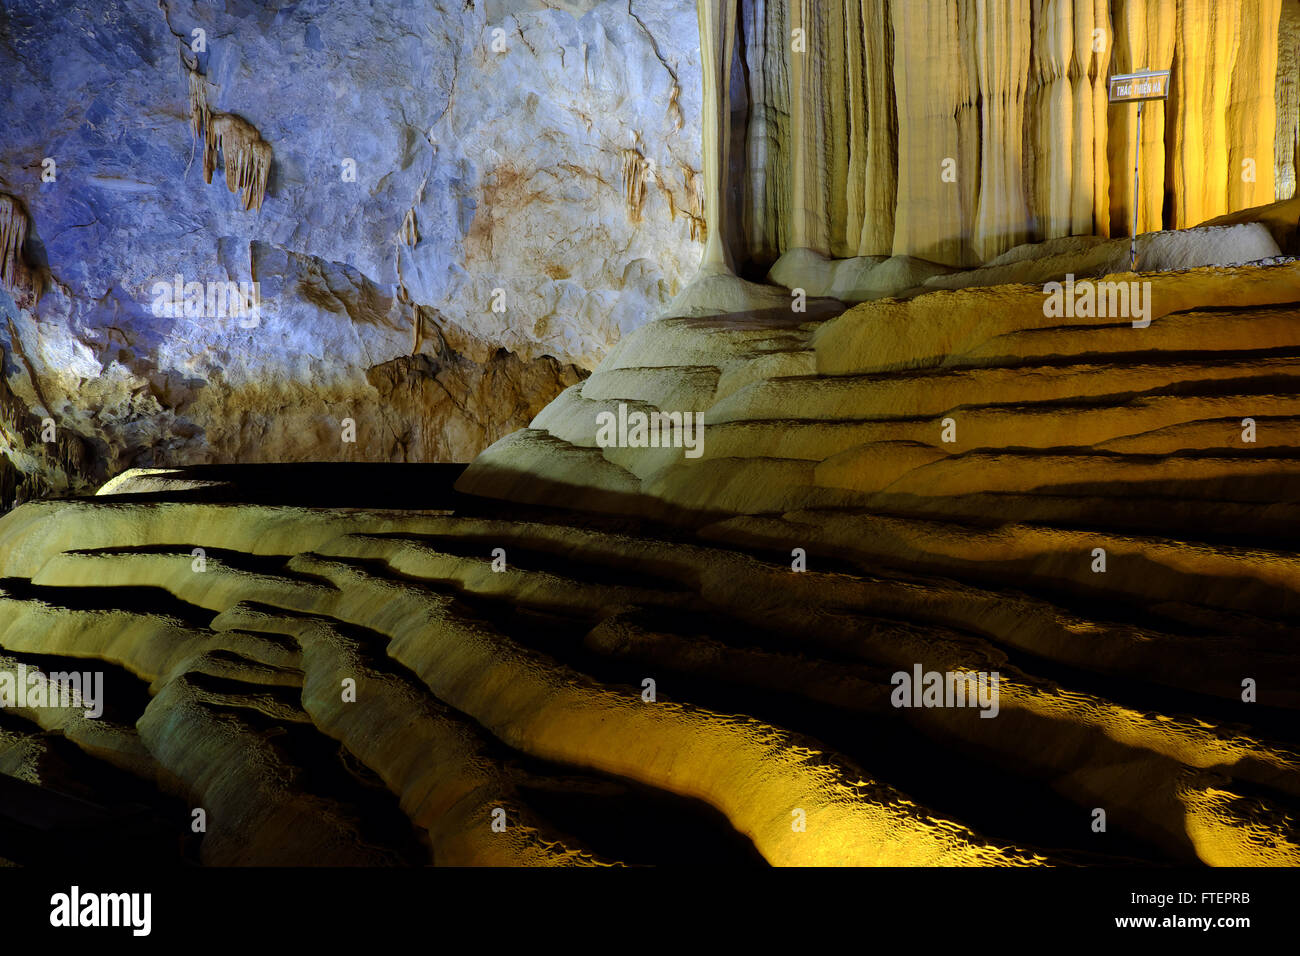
246, 155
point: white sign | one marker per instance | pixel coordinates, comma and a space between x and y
1135, 87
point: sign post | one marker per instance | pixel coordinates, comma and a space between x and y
1138, 88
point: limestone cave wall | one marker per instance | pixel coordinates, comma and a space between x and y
453, 209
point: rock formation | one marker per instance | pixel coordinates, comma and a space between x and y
1008, 135
969, 437
490, 133
246, 155
558, 174
1287, 106
14, 274
1101, 514
687, 604
448, 700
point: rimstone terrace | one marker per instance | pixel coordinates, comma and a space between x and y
1087, 299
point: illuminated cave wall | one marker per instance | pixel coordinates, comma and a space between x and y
845, 145
466, 205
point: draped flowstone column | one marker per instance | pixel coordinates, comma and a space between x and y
1002, 61
877, 162
1065, 118
717, 20
1286, 100
1050, 125
1252, 121
767, 137
822, 135
952, 130
1203, 63
809, 225
1222, 108
1093, 90
1143, 40
934, 87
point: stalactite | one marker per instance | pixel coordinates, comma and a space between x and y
246, 155
634, 172
1077, 34
810, 183
197, 95
765, 187
30, 466
417, 319
409, 233
198, 101
694, 186
859, 123
13, 233
255, 170
14, 274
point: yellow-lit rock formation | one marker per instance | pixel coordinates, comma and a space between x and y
588, 627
